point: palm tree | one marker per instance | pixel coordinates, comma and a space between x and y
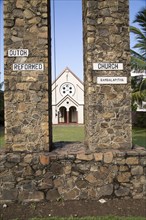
1, 85
139, 92
138, 59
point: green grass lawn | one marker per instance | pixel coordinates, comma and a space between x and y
68, 133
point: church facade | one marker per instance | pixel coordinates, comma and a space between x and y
67, 99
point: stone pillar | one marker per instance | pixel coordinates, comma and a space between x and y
107, 106
28, 92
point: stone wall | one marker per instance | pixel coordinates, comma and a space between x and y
72, 173
27, 93
69, 172
107, 107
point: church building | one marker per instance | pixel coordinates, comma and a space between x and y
67, 99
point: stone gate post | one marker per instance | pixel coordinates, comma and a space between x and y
107, 74
27, 75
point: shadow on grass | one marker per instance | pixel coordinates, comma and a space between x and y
1, 137
61, 144
139, 136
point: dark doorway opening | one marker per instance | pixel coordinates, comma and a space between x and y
73, 115
62, 115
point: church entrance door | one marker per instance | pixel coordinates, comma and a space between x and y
62, 115
72, 114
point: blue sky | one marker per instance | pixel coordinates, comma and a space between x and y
68, 23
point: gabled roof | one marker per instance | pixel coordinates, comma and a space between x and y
70, 98
70, 72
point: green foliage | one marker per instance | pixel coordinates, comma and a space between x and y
138, 85
1, 85
138, 59
134, 107
137, 62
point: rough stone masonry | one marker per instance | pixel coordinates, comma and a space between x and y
28, 93
72, 173
107, 107
27, 78
75, 171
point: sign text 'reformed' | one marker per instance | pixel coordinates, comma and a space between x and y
18, 53
28, 66
107, 66
112, 80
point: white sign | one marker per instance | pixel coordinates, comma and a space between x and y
108, 66
112, 80
18, 53
28, 66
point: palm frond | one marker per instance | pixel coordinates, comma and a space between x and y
137, 64
138, 59
141, 19
137, 31
141, 45
143, 85
136, 54
139, 35
1, 85
137, 97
